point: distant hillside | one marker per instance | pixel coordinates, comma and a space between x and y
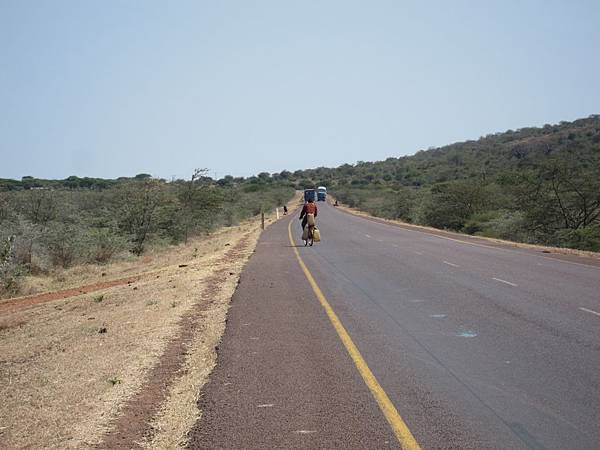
490, 155
539, 185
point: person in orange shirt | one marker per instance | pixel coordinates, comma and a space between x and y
309, 208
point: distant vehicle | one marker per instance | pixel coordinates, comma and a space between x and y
309, 194
321, 193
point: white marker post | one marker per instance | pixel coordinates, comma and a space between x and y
277, 213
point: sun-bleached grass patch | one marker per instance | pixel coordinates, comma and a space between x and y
68, 366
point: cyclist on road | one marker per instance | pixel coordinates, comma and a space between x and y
309, 208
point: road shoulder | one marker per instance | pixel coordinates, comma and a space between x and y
284, 379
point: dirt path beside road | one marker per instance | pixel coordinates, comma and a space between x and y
120, 363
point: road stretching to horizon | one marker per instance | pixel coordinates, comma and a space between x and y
476, 346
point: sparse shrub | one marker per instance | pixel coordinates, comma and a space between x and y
139, 201
38, 206
229, 218
63, 244
114, 381
6, 212
509, 225
98, 298
103, 244
10, 271
479, 222
25, 236
583, 238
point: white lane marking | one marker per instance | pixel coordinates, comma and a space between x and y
366, 235
467, 334
513, 249
451, 264
266, 405
590, 311
506, 282
505, 249
418, 253
305, 431
437, 316
379, 240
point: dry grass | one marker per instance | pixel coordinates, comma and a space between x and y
154, 259
68, 366
180, 411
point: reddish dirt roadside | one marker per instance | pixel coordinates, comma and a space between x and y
20, 303
134, 425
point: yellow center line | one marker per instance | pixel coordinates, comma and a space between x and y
403, 434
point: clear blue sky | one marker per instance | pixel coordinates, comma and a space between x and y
114, 88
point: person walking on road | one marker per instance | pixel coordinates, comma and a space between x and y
285, 210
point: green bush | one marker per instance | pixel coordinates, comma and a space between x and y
583, 238
11, 271
103, 244
509, 225
64, 244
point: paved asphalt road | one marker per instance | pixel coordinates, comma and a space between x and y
476, 346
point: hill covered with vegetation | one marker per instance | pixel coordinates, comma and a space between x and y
535, 185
